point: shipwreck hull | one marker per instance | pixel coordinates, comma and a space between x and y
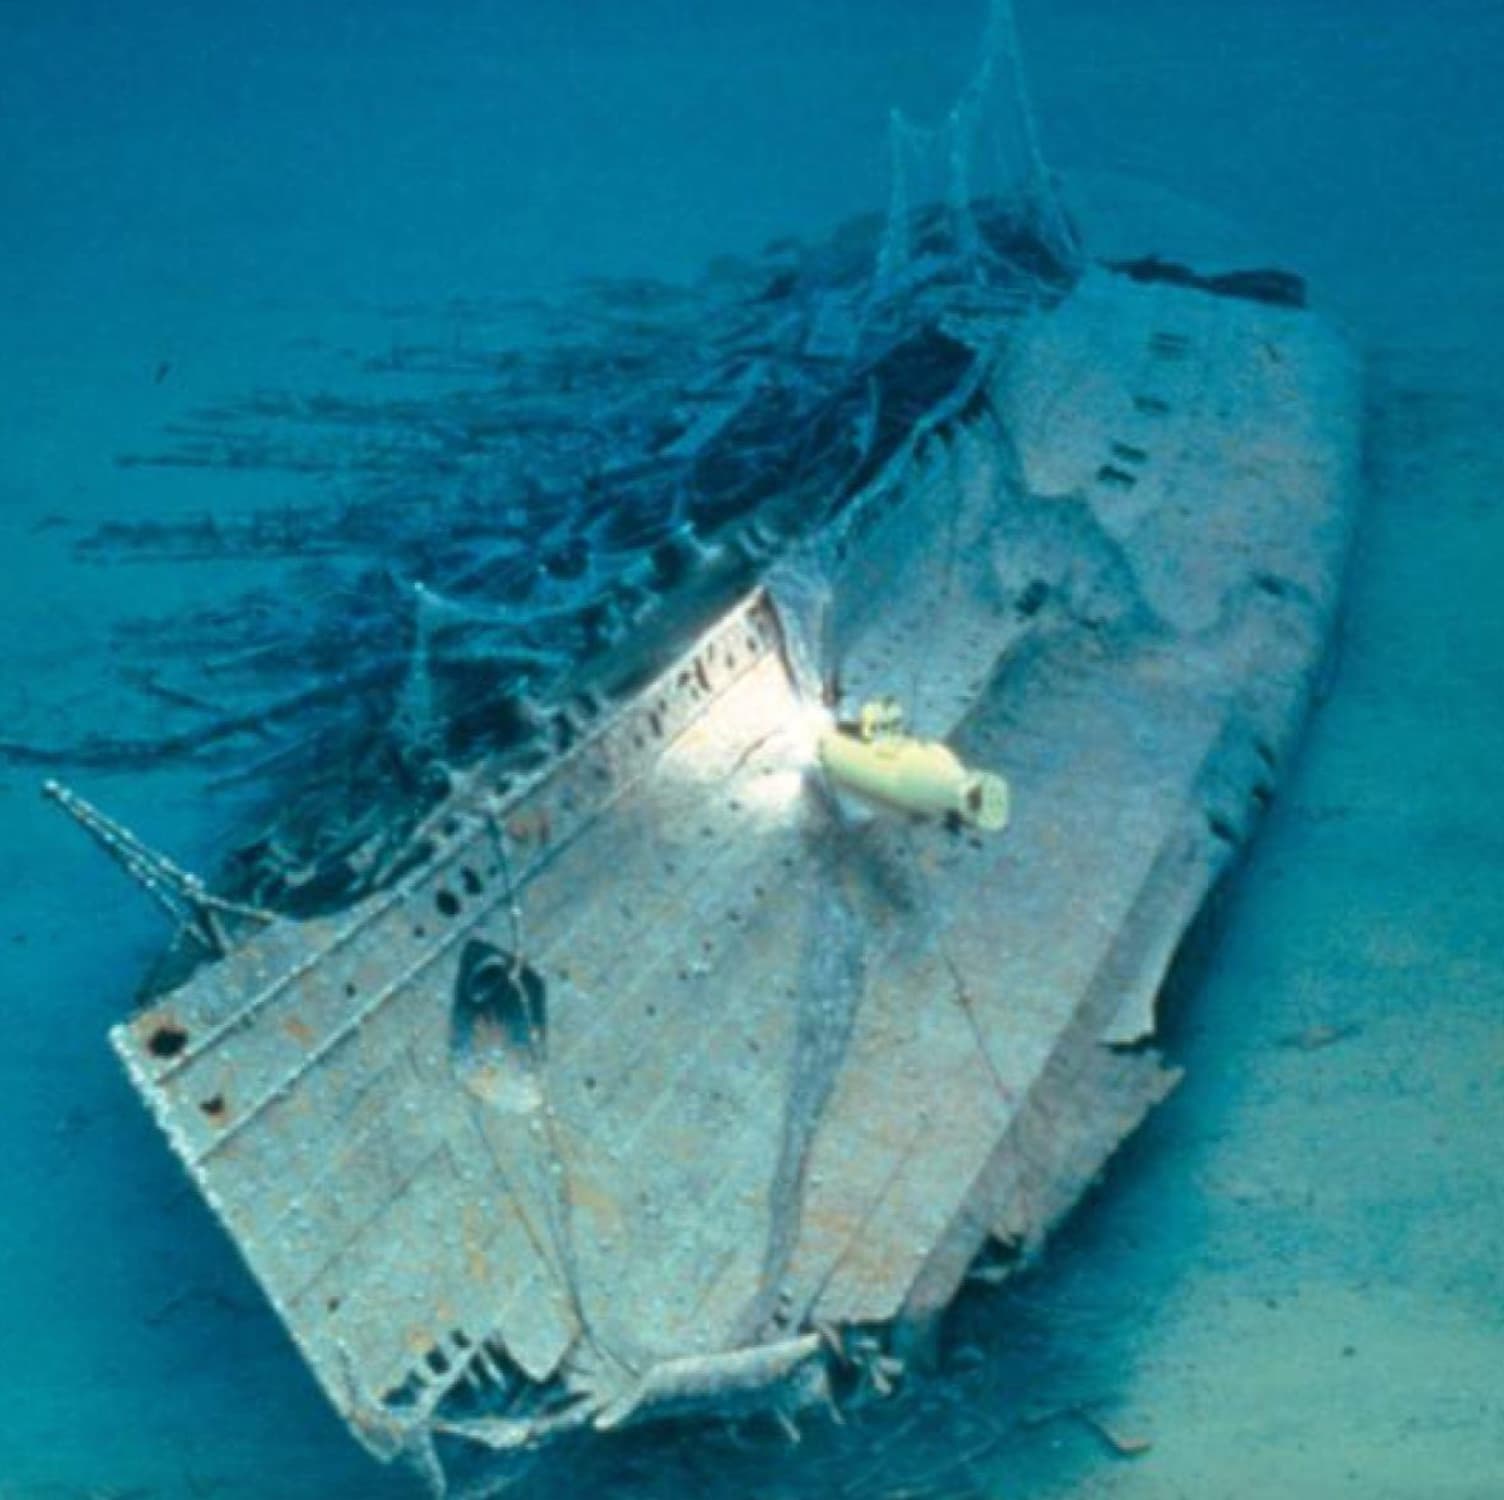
662, 1085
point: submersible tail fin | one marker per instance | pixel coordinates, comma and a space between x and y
181, 894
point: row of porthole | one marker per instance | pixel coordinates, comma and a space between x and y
168, 1039
1116, 471
450, 905
658, 714
447, 903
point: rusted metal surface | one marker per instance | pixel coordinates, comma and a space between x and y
661, 1077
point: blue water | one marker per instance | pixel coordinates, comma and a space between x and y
1291, 1283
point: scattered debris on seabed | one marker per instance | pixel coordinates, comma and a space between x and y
1012, 1389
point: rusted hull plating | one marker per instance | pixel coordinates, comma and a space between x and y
661, 1080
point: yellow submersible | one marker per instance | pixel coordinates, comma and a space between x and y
876, 761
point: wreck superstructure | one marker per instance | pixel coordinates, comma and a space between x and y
643, 1080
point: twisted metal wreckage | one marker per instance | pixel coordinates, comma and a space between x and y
566, 1055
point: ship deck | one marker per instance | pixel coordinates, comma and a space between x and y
664, 1074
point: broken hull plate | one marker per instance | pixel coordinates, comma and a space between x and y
662, 1076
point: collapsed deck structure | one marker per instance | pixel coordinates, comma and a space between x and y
637, 1078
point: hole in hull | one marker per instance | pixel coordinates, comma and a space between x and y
167, 1040
1118, 478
